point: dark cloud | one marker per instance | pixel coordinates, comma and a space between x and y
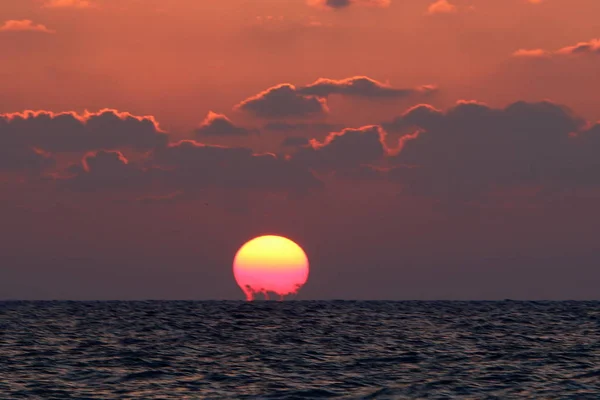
473, 148
219, 125
363, 172
23, 158
286, 100
283, 101
194, 164
362, 86
68, 4
69, 131
350, 147
161, 199
300, 127
295, 141
337, 3
342, 4
105, 170
189, 166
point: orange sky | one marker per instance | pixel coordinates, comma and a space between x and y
179, 59
446, 137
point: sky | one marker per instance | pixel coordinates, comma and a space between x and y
415, 149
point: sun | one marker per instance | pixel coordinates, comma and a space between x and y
270, 264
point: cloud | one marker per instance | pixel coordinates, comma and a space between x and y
337, 3
195, 164
441, 7
24, 25
283, 101
69, 131
347, 148
341, 4
591, 47
531, 53
68, 4
190, 166
301, 127
286, 100
473, 148
362, 86
23, 158
106, 170
219, 125
295, 141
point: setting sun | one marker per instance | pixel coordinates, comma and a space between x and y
270, 264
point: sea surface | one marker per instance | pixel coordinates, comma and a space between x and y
299, 350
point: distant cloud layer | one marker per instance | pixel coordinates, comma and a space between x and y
347, 148
341, 4
460, 153
300, 127
441, 7
69, 131
190, 166
591, 47
283, 101
362, 86
295, 141
68, 4
24, 25
286, 100
473, 148
22, 158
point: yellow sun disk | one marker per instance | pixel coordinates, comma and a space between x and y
270, 264
267, 252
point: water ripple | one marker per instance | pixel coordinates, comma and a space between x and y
299, 350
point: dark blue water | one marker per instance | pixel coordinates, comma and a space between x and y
299, 350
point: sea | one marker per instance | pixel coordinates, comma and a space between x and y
299, 350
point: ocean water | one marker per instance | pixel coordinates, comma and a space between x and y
299, 350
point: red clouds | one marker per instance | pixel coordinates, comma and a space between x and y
68, 4
441, 7
591, 47
105, 170
24, 25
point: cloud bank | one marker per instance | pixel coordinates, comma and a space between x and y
72, 132
283, 101
287, 100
